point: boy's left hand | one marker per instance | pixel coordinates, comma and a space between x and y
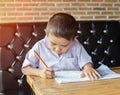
90, 72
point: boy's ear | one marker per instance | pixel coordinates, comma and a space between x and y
76, 37
45, 31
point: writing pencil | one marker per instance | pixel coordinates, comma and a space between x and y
40, 59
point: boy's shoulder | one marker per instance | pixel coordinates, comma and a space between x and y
77, 43
40, 42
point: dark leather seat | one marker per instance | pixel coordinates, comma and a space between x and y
100, 38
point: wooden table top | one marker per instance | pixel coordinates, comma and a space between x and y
98, 87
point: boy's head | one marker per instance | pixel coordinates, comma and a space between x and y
62, 25
61, 30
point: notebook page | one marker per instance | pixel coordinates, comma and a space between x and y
74, 76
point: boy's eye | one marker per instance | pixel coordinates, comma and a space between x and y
64, 45
61, 45
53, 43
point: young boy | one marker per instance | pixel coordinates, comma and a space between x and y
60, 50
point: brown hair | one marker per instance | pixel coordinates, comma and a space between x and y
63, 25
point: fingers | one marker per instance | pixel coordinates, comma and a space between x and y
48, 73
82, 75
92, 75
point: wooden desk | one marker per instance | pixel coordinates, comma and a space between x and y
98, 87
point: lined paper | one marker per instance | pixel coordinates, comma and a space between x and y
74, 76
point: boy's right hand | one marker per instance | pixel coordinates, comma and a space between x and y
47, 73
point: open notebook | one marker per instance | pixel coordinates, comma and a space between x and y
74, 76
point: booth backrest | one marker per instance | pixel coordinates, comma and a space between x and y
100, 39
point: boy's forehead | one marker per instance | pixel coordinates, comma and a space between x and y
58, 40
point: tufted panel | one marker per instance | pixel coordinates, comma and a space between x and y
15, 40
100, 39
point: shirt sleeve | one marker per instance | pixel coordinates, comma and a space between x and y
30, 58
83, 56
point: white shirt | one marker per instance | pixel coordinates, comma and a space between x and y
74, 59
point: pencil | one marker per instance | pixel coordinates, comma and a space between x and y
40, 59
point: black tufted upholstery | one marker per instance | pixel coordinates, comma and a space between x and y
100, 38
15, 40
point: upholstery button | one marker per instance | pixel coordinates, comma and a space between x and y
26, 45
19, 57
11, 69
10, 46
105, 31
107, 51
94, 52
20, 81
34, 34
87, 41
102, 61
79, 32
111, 41
92, 31
17, 34
112, 61
100, 41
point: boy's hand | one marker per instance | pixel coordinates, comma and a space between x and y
90, 72
47, 73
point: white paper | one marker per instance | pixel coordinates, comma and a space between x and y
74, 76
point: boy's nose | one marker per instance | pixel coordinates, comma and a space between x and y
58, 49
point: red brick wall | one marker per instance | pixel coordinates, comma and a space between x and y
41, 10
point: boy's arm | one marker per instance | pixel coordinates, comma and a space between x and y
29, 70
43, 73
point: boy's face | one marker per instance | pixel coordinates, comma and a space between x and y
58, 44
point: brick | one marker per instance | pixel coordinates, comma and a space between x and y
97, 0
7, 0
2, 14
79, 13
114, 9
93, 13
31, 14
30, 4
23, 9
92, 4
22, 0
111, 0
78, 4
106, 4
69, 0
14, 14
118, 4
46, 4
7, 18
39, 9
55, 9
62, 4
86, 17
70, 9
39, 0
85, 9
41, 18
99, 8
107, 13
117, 13
24, 18
84, 0
115, 17
100, 17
